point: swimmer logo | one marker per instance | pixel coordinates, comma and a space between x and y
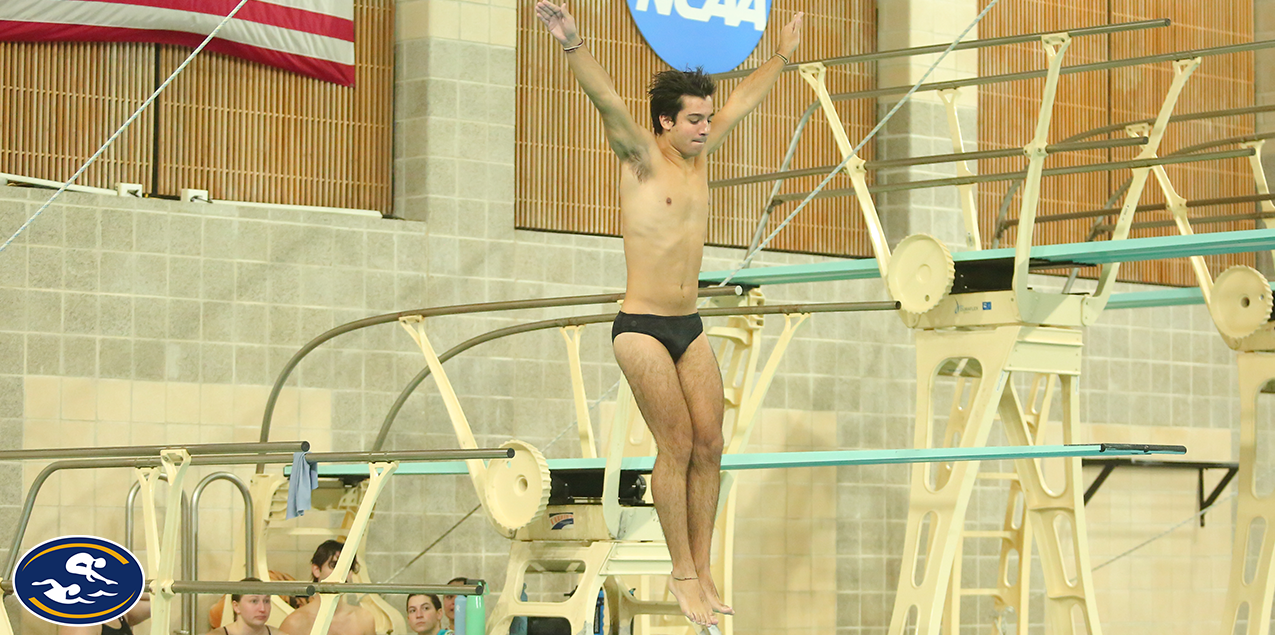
78, 580
717, 34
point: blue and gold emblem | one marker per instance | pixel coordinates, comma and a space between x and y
78, 580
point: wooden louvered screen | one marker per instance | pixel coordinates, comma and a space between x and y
240, 130
1008, 111
567, 176
61, 100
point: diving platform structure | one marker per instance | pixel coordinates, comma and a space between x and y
979, 326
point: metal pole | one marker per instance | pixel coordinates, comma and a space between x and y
1190, 116
843, 307
1150, 207
1066, 70
244, 459
457, 309
196, 495
963, 46
933, 159
399, 589
217, 587
139, 451
1205, 220
1009, 176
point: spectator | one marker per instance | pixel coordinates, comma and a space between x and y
251, 614
348, 619
425, 614
449, 601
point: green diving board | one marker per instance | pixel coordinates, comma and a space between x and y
1159, 297
785, 460
1089, 253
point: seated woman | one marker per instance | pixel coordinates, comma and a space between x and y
251, 614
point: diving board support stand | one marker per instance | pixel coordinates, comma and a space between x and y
162, 549
969, 209
982, 339
1240, 303
378, 475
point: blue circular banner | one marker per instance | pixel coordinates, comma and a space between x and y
716, 34
78, 580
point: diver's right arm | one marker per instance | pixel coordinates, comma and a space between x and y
628, 140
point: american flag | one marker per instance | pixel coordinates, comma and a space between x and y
310, 37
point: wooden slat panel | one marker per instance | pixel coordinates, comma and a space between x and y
1007, 112
60, 101
241, 130
567, 177
277, 137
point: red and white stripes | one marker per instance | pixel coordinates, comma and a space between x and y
310, 37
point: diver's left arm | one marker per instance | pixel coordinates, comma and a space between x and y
753, 90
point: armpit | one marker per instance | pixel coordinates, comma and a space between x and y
639, 165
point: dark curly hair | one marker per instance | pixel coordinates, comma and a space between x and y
668, 88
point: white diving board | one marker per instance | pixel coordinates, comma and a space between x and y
1089, 253
787, 460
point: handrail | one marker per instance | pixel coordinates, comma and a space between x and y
598, 319
933, 159
1003, 213
1066, 70
140, 451
877, 56
1190, 116
1151, 207
192, 535
1009, 176
1011, 222
456, 309
234, 459
304, 589
800, 128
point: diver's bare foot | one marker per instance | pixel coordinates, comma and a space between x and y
690, 598
710, 595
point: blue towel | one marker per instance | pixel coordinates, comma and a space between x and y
304, 478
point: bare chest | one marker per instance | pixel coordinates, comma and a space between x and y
671, 199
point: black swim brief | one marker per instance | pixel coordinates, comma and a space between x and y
675, 332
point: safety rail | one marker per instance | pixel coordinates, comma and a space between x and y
144, 451
877, 56
231, 459
456, 309
829, 307
798, 132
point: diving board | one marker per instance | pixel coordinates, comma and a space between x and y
1042, 256
788, 460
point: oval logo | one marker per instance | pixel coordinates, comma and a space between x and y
78, 580
715, 34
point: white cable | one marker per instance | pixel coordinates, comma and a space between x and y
127, 123
1167, 531
855, 152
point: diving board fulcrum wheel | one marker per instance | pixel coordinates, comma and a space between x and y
1241, 301
920, 274
517, 488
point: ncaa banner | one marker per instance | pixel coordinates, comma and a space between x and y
716, 34
308, 37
